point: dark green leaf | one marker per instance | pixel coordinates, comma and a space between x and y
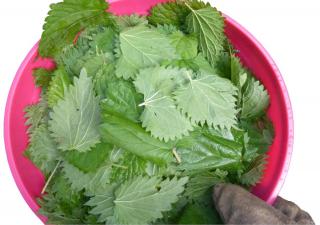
132, 137
66, 19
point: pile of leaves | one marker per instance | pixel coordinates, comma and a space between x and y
142, 116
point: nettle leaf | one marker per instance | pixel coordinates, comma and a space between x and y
173, 13
199, 188
186, 45
208, 99
103, 77
132, 20
142, 47
208, 24
91, 160
138, 201
121, 97
35, 114
42, 150
66, 19
205, 150
133, 138
255, 99
197, 213
204, 66
163, 119
73, 57
167, 29
161, 116
75, 119
254, 171
92, 182
42, 77
260, 134
61, 204
104, 40
58, 86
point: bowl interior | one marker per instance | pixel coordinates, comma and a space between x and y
23, 92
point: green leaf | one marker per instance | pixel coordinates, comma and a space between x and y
103, 204
104, 40
142, 47
103, 77
173, 12
73, 57
127, 166
260, 135
254, 172
133, 138
132, 20
186, 45
208, 24
209, 99
160, 115
204, 66
121, 97
66, 19
35, 114
205, 150
92, 182
58, 86
42, 77
199, 214
91, 160
75, 119
255, 99
42, 150
200, 186
62, 205
138, 201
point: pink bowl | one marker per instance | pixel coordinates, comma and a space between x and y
23, 92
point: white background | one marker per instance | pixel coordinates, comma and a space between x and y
288, 29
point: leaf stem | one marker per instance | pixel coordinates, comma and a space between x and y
50, 178
175, 154
119, 166
189, 6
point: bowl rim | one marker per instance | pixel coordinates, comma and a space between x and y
285, 97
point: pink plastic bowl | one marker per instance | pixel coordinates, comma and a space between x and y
23, 92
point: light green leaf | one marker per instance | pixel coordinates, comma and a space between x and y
186, 45
138, 201
35, 114
209, 99
208, 24
42, 150
160, 115
199, 187
92, 182
75, 119
66, 19
133, 138
58, 86
133, 20
255, 99
103, 41
142, 47
205, 68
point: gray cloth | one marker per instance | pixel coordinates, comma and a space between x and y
237, 206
